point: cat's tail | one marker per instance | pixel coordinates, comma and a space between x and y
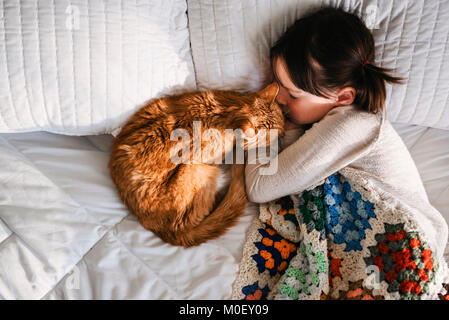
225, 215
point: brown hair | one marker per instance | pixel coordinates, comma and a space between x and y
330, 49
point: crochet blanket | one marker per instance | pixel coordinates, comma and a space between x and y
339, 240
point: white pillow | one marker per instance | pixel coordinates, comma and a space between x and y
83, 67
230, 42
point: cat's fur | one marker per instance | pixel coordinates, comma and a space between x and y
175, 200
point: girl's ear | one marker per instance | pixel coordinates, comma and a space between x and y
269, 92
346, 96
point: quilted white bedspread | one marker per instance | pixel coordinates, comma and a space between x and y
64, 234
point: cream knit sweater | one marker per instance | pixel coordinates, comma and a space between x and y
346, 138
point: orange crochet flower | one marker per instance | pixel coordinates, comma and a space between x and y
378, 261
354, 293
274, 252
255, 296
415, 243
427, 259
409, 286
334, 266
417, 289
392, 237
285, 248
400, 235
267, 241
383, 248
390, 276
423, 275
269, 261
283, 266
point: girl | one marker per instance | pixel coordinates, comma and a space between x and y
331, 89
329, 85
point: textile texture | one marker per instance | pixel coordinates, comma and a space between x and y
341, 239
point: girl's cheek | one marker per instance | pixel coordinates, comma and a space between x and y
301, 109
296, 106
295, 110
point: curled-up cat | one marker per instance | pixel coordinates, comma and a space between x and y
176, 201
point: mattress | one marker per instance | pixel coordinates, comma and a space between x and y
64, 234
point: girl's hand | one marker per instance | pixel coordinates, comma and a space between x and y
288, 125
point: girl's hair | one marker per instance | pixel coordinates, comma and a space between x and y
330, 49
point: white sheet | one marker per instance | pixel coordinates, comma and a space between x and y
429, 148
64, 233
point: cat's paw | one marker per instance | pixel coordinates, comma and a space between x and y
249, 131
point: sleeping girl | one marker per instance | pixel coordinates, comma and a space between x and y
345, 175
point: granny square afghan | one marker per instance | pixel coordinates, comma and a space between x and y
339, 240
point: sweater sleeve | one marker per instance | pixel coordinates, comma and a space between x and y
341, 137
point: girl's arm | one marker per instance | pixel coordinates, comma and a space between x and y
341, 137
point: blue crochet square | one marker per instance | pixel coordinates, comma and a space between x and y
347, 214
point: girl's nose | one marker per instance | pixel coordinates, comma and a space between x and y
281, 99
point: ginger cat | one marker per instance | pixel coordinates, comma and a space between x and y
175, 200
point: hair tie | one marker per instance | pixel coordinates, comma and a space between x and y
366, 63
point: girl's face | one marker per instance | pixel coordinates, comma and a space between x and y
298, 106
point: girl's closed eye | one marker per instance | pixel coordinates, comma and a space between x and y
296, 95
293, 97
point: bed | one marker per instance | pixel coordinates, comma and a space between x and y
64, 233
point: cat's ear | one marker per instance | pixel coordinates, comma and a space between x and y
270, 92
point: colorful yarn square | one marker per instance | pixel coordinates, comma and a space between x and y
404, 261
347, 214
254, 292
274, 252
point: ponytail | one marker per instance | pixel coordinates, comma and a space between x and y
371, 89
323, 52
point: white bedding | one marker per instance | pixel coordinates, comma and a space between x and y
230, 42
64, 233
430, 150
81, 67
